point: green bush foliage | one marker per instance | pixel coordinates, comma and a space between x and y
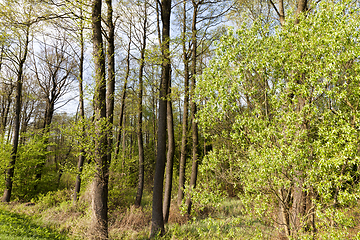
282, 108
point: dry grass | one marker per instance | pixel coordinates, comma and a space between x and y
128, 223
175, 216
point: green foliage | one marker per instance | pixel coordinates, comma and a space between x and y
5, 153
53, 198
285, 103
31, 156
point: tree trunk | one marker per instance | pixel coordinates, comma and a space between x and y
194, 127
185, 116
170, 157
140, 112
100, 185
110, 94
82, 114
10, 171
157, 222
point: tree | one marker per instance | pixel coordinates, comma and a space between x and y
157, 221
185, 110
54, 72
169, 157
200, 13
81, 106
140, 107
99, 203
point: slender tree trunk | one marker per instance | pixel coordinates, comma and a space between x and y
194, 127
10, 171
140, 112
99, 203
124, 144
170, 156
110, 94
185, 115
82, 114
157, 222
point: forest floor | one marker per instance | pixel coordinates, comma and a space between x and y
14, 226
54, 217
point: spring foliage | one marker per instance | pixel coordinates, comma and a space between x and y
283, 104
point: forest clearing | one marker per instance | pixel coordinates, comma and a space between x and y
191, 119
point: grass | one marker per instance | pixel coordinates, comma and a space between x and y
19, 226
18, 221
227, 222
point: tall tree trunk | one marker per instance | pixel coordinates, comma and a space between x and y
185, 115
140, 113
194, 127
82, 113
170, 156
10, 171
110, 94
157, 222
99, 203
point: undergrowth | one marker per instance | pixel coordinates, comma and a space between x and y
54, 216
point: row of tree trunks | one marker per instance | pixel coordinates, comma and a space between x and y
19, 82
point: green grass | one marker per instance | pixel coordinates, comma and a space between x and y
16, 226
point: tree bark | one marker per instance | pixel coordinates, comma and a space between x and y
183, 153
110, 94
157, 222
10, 171
170, 157
140, 113
99, 203
194, 127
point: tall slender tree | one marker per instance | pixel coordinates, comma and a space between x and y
157, 221
183, 152
99, 203
140, 110
81, 107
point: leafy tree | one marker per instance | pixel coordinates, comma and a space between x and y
285, 102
